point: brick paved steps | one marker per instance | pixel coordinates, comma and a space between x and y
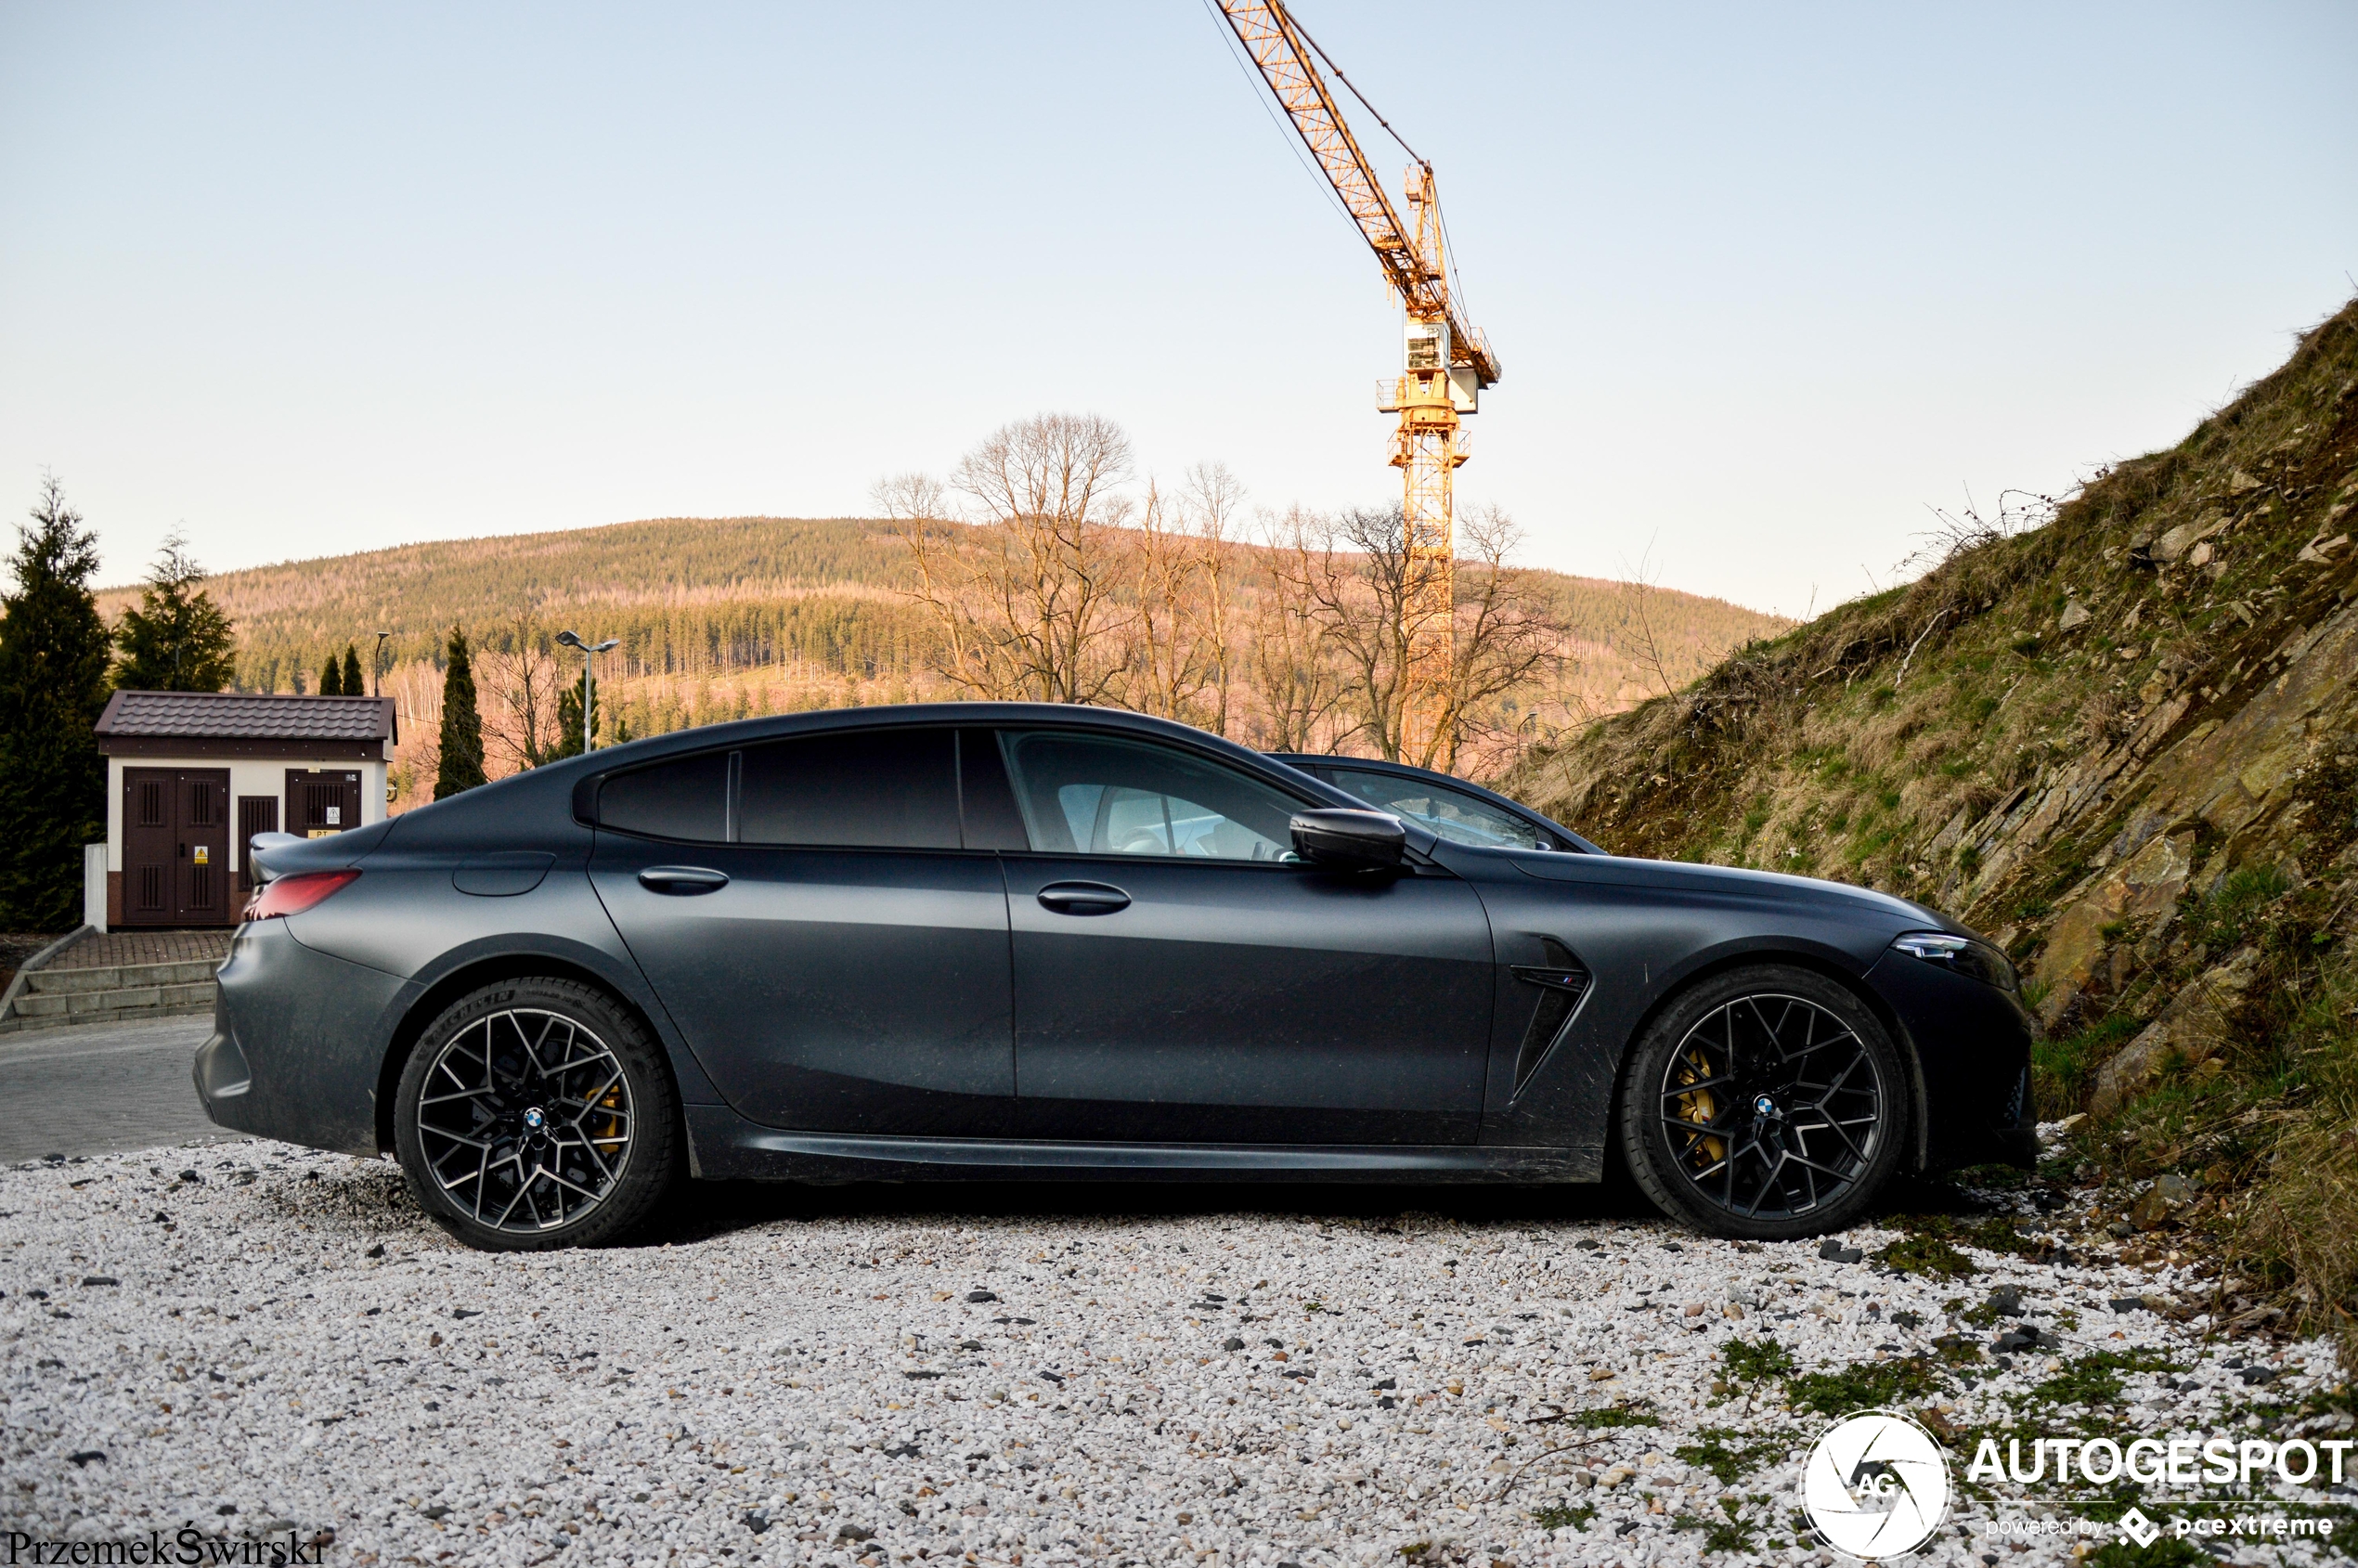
110, 993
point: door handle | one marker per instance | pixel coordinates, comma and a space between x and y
682, 879
1084, 897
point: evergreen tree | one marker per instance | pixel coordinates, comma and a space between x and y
177, 640
53, 685
353, 685
461, 725
332, 678
569, 721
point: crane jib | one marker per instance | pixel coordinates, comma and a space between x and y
1409, 253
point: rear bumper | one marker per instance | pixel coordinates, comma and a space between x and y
1973, 1044
296, 1044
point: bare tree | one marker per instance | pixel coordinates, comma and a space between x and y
1506, 636
1166, 667
1214, 501
1636, 614
1365, 586
919, 510
1288, 663
521, 685
1027, 604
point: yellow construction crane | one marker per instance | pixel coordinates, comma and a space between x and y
1446, 362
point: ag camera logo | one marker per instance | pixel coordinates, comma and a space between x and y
1877, 1485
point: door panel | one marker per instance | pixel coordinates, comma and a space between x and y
175, 847
256, 813
151, 846
202, 881
836, 990
320, 801
1179, 977
825, 987
1248, 1004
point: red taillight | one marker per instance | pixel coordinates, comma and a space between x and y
292, 895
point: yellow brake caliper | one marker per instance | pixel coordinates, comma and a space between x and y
1698, 1106
611, 1138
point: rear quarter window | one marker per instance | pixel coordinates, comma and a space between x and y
687, 797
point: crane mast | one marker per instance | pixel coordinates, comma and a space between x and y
1446, 361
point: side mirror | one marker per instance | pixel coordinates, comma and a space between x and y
1345, 840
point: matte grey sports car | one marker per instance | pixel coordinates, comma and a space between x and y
1015, 940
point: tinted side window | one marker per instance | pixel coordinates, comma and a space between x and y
1451, 815
686, 799
878, 789
992, 820
1085, 795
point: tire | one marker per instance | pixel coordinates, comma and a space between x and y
534, 1114
1798, 1138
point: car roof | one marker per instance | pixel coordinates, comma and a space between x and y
1411, 770
580, 773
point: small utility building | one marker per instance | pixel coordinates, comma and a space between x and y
192, 776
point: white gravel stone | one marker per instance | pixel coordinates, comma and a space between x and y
811, 1378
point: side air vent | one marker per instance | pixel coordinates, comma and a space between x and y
1561, 982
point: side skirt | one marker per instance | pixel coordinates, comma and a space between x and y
725, 1146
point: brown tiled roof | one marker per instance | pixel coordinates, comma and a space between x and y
243, 716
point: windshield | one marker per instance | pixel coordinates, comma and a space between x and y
1458, 816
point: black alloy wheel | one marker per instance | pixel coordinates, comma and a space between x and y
535, 1113
1766, 1103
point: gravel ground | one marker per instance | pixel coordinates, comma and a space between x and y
255, 1339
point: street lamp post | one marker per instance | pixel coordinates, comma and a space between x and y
377, 667
589, 680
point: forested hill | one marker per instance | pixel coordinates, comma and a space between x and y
667, 586
691, 597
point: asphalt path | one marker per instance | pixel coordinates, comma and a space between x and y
98, 1088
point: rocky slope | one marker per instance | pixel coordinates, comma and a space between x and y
2123, 740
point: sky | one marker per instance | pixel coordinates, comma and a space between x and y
1769, 283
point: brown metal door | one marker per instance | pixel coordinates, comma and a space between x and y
175, 847
256, 813
203, 830
150, 845
322, 801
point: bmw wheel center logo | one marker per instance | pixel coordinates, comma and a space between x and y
1876, 1487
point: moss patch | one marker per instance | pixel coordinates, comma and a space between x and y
1867, 1384
1927, 1255
1754, 1361
1729, 1463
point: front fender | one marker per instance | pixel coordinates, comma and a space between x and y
1643, 932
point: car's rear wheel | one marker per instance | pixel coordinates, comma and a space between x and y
1763, 1103
535, 1113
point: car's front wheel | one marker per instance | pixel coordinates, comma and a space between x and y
534, 1113
1764, 1103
